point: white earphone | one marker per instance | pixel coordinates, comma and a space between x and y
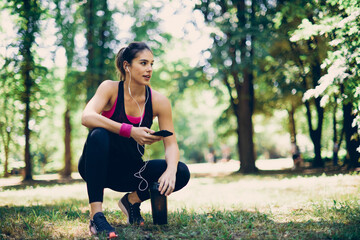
127, 68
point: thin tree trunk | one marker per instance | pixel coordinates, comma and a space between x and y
336, 145
67, 139
28, 84
315, 134
26, 68
6, 147
5, 135
292, 127
30, 13
316, 72
28, 162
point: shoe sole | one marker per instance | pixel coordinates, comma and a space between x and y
123, 209
110, 236
94, 233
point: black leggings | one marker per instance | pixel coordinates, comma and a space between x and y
110, 161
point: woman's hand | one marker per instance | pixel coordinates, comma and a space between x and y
142, 135
167, 182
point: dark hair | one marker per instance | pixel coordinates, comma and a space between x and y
128, 54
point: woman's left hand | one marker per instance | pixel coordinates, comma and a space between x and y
167, 182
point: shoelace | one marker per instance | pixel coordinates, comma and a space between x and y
102, 224
135, 211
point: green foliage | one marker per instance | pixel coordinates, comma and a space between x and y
240, 31
34, 87
146, 24
341, 82
11, 114
325, 30
342, 29
68, 21
99, 44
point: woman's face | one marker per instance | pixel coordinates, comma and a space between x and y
141, 67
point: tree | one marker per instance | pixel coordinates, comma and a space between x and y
99, 33
67, 19
29, 13
341, 81
305, 57
278, 87
240, 26
9, 111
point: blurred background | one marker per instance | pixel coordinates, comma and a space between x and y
248, 79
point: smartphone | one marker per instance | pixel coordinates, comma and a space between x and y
163, 133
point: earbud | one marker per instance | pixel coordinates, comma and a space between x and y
127, 68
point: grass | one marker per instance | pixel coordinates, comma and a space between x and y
226, 207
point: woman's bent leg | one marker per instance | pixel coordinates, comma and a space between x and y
155, 168
93, 163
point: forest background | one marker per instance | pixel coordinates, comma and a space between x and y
249, 76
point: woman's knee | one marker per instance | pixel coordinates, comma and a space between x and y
96, 151
98, 137
183, 175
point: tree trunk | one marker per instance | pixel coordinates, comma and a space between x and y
6, 148
352, 157
67, 139
336, 144
27, 67
245, 133
29, 12
245, 96
318, 162
91, 81
315, 135
292, 127
5, 135
28, 162
316, 75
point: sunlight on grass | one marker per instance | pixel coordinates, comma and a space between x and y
201, 194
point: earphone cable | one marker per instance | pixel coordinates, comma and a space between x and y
138, 174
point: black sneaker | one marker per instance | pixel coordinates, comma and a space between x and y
99, 225
132, 211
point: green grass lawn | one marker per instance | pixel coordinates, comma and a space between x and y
277, 206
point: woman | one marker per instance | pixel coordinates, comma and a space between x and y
120, 116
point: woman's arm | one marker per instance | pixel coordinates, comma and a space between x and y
91, 116
172, 155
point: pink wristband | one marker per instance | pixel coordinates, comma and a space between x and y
125, 130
